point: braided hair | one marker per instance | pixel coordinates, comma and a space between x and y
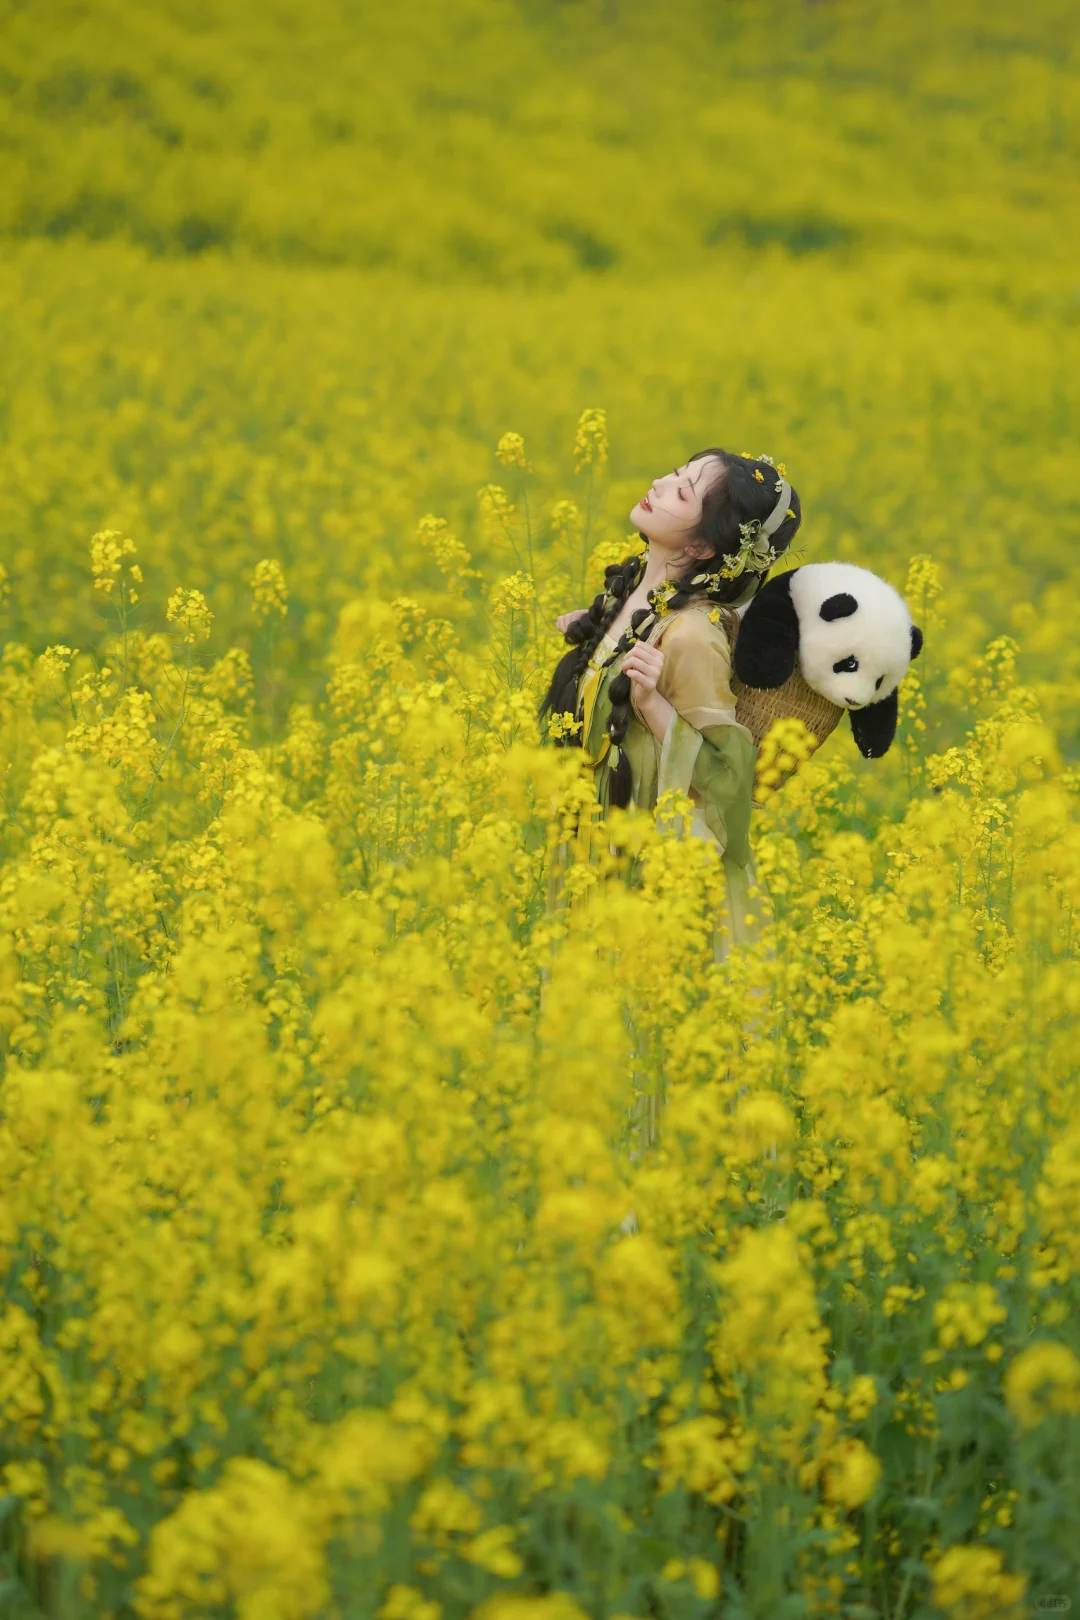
736, 497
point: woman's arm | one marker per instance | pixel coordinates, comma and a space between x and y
644, 665
706, 752
690, 676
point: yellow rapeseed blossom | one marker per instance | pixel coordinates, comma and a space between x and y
510, 451
703, 1577
514, 1606
1043, 1380
966, 1313
590, 441
453, 559
566, 523
269, 592
970, 1583
852, 1474
861, 1398
495, 504
407, 1603
55, 662
786, 744
191, 614
108, 548
247, 1542
512, 594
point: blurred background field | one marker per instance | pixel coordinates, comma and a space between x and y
326, 1048
279, 286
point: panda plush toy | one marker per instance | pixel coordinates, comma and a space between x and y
848, 635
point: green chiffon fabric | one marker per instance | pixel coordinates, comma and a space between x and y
713, 763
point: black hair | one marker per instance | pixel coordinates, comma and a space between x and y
736, 496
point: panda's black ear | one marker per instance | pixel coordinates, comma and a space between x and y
840, 606
875, 726
767, 644
916, 641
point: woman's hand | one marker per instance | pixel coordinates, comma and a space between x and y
643, 664
565, 620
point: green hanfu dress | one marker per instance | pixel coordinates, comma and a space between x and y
706, 753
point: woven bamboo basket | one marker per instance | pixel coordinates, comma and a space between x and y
757, 709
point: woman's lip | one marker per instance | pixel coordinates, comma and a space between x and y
646, 503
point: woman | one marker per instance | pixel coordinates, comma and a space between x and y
645, 689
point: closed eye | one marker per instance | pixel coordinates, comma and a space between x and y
877, 683
846, 666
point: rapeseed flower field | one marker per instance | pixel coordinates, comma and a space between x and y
404, 1213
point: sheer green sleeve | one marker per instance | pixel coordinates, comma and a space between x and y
723, 778
706, 752
716, 766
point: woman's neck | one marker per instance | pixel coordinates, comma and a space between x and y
659, 565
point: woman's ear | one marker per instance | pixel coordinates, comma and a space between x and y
875, 726
697, 551
767, 645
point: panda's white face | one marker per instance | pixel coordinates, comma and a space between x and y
854, 633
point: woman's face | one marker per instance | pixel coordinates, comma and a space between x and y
671, 507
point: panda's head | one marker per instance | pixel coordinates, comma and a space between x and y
847, 631
856, 637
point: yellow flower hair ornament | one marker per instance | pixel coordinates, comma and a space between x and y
756, 554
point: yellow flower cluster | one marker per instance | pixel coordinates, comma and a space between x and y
510, 451
453, 560
270, 594
1044, 1379
378, 1156
591, 443
190, 612
970, 1584
108, 549
512, 594
967, 1311
784, 747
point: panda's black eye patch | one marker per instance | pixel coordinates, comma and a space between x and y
846, 666
840, 606
877, 683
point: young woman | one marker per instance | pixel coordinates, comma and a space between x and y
645, 690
